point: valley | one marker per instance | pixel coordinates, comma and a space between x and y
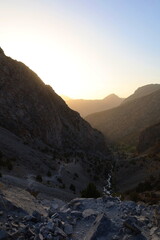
61, 178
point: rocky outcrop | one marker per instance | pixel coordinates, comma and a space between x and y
33, 111
107, 218
150, 139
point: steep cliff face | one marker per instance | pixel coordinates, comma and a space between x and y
32, 110
150, 139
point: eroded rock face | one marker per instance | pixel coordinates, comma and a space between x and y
33, 111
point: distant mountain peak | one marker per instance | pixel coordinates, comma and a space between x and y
88, 106
112, 95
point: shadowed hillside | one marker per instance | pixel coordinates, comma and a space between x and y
85, 107
142, 91
124, 123
33, 111
150, 139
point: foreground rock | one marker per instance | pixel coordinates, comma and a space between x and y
105, 218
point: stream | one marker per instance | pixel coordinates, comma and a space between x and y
107, 189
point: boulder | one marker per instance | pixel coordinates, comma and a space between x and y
102, 228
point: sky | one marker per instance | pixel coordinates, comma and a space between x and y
85, 48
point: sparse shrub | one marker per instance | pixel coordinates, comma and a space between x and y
90, 192
144, 186
59, 180
63, 186
45, 150
152, 178
72, 187
53, 168
76, 175
39, 178
134, 196
133, 162
9, 165
49, 174
13, 159
96, 178
1, 154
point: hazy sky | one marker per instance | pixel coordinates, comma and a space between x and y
85, 48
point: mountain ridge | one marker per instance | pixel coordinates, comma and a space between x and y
142, 91
124, 123
88, 106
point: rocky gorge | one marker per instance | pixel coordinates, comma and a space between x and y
48, 154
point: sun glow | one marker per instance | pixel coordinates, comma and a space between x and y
69, 68
84, 49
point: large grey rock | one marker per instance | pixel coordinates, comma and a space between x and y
89, 212
68, 229
50, 226
59, 231
131, 224
102, 229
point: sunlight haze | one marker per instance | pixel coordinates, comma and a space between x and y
85, 49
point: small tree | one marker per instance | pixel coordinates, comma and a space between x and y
90, 192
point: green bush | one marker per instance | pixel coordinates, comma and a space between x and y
90, 191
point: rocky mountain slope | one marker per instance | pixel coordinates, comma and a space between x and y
44, 145
86, 107
142, 91
124, 123
150, 139
33, 111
